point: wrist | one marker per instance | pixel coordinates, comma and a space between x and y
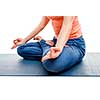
24, 41
60, 47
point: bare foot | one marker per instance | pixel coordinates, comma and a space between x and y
38, 38
51, 43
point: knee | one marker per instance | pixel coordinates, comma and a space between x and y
56, 66
51, 66
20, 50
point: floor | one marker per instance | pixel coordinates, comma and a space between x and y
13, 65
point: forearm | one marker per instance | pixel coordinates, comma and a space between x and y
63, 38
39, 28
64, 32
33, 33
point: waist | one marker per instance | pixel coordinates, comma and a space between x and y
72, 36
75, 41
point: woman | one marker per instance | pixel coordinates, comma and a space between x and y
65, 50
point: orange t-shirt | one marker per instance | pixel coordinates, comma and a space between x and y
57, 22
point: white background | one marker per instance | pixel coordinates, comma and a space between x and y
18, 18
21, 24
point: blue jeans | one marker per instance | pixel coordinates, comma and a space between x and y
71, 54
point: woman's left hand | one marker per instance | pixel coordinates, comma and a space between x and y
53, 53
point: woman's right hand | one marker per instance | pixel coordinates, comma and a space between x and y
17, 42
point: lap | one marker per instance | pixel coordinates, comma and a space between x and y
30, 48
69, 56
31, 44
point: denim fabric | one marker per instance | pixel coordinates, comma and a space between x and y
72, 54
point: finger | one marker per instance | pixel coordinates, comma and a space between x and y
55, 54
51, 54
52, 51
45, 58
18, 40
14, 46
15, 41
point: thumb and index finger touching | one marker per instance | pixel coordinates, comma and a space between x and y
16, 41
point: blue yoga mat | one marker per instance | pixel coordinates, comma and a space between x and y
12, 64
